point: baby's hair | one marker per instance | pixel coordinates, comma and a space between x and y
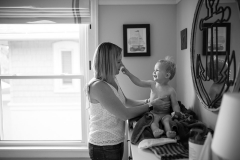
170, 66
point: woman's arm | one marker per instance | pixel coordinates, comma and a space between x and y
174, 101
102, 93
134, 103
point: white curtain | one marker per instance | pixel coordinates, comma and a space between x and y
45, 11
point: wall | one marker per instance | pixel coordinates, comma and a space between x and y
184, 17
162, 20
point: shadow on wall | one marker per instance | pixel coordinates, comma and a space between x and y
196, 107
204, 115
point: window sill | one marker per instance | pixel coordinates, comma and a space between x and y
44, 152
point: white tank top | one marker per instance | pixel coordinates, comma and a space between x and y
104, 127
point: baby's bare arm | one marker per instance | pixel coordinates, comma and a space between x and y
174, 101
136, 80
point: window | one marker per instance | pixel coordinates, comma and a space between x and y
67, 65
66, 61
42, 77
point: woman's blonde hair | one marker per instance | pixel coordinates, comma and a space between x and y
105, 60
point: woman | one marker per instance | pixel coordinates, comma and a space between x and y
109, 108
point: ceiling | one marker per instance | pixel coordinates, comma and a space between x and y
144, 2
138, 2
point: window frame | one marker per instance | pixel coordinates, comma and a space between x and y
71, 149
40, 149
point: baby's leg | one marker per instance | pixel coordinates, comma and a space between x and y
157, 132
165, 120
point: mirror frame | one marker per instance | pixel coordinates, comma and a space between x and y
194, 57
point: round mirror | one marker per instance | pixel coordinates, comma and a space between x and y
215, 49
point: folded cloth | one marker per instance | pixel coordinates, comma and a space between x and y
183, 125
132, 122
170, 151
147, 143
183, 128
142, 130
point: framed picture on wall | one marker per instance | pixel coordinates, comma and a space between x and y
136, 40
220, 43
184, 39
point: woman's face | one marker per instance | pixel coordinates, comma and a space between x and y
119, 64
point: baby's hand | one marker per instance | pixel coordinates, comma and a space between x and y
123, 69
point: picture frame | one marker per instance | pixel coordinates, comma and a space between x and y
184, 39
224, 30
136, 40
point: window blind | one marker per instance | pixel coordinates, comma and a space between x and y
45, 11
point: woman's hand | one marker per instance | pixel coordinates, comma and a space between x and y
163, 102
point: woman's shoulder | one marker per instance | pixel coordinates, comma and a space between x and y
97, 84
93, 80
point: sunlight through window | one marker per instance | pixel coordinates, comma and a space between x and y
42, 77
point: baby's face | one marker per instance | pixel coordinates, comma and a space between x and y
159, 72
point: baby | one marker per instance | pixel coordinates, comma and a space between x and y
164, 71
